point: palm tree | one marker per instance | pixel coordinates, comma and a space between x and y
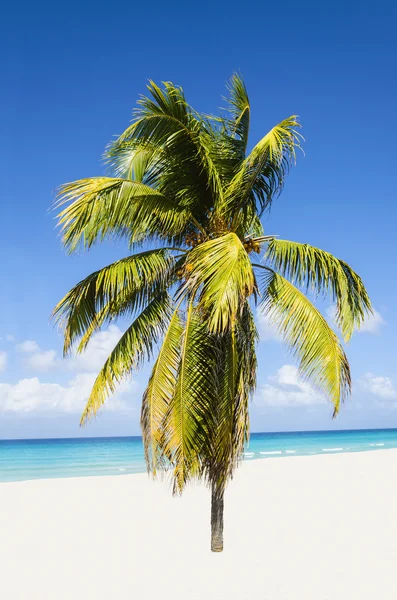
183, 186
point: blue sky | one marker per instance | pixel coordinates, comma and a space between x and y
73, 73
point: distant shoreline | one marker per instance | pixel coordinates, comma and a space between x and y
116, 437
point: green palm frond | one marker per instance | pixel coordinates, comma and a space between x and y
254, 227
119, 288
132, 161
221, 270
262, 174
321, 272
102, 207
246, 339
134, 346
321, 357
239, 107
188, 420
168, 101
159, 393
222, 452
268, 163
227, 137
236, 380
166, 121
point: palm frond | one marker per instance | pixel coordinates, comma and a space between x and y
227, 136
320, 272
134, 346
102, 207
261, 175
222, 456
132, 161
221, 270
321, 357
239, 107
159, 393
236, 380
254, 226
189, 416
165, 120
120, 288
247, 338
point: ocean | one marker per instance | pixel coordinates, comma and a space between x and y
21, 460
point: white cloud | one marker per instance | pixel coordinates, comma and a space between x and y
3, 360
287, 389
28, 346
92, 360
379, 385
267, 331
372, 323
97, 351
43, 360
31, 394
37, 359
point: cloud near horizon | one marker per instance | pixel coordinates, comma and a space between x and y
379, 386
31, 394
92, 360
286, 388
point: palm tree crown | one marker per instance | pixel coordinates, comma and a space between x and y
184, 186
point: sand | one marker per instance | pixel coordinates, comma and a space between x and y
302, 528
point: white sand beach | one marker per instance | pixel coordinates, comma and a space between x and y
304, 528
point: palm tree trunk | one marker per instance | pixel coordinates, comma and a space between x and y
216, 520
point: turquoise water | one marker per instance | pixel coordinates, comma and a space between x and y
46, 459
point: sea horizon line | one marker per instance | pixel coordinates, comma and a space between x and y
110, 437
